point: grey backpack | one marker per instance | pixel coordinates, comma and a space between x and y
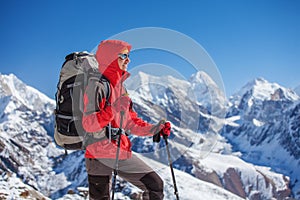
77, 71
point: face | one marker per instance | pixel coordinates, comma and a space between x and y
123, 59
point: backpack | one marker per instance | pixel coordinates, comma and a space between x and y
78, 69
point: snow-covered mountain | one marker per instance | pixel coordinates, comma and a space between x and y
206, 165
184, 100
269, 128
12, 187
26, 148
208, 94
192, 146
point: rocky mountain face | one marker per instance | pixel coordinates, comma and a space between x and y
197, 111
203, 142
269, 128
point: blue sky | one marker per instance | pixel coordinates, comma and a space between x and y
246, 39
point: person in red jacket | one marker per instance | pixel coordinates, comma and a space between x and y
102, 117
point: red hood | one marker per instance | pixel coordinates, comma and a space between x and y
114, 74
107, 55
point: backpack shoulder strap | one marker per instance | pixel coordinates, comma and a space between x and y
98, 87
107, 89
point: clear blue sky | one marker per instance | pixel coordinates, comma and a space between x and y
245, 38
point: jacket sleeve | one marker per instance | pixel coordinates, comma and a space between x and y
96, 113
137, 126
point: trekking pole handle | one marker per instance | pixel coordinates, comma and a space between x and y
162, 121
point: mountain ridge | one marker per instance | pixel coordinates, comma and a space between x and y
194, 139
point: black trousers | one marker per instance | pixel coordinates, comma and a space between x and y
133, 170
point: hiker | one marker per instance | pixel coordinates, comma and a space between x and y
113, 60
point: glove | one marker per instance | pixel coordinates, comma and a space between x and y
166, 130
121, 104
161, 130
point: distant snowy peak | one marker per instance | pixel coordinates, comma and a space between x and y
202, 78
208, 93
199, 88
142, 80
11, 86
153, 88
260, 89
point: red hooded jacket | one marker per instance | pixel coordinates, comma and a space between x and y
107, 55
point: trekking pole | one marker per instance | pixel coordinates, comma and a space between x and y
171, 167
116, 167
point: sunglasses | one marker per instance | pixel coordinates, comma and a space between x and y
123, 56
